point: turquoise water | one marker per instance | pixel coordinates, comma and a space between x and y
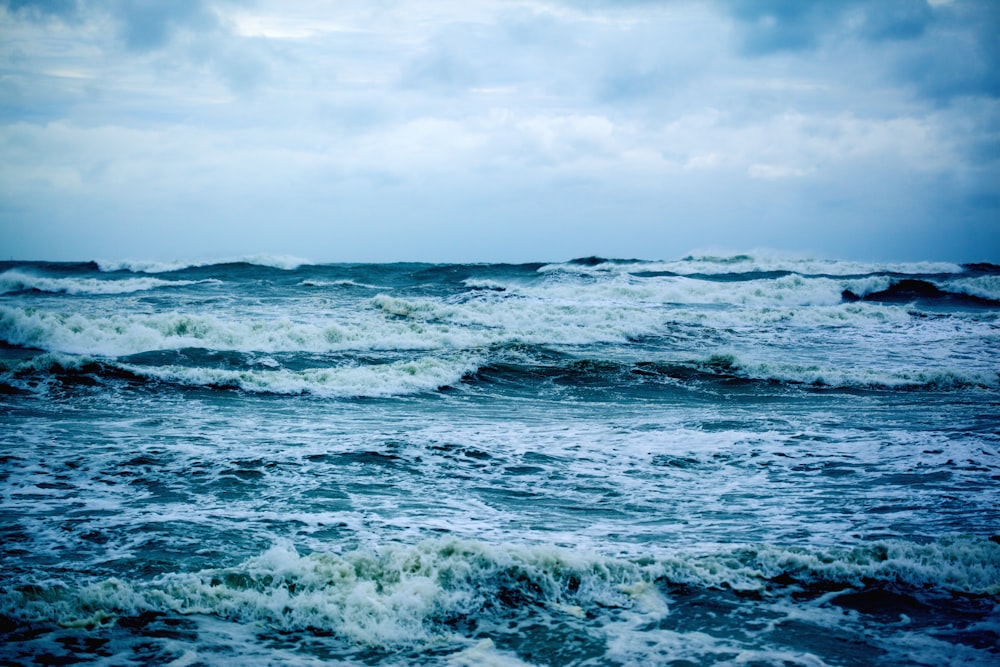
713, 460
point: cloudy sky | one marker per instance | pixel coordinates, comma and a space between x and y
488, 130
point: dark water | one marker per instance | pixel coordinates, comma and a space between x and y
733, 460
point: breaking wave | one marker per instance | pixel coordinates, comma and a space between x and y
400, 595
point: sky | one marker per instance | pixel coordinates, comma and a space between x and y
488, 130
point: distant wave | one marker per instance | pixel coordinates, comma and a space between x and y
756, 263
284, 262
16, 280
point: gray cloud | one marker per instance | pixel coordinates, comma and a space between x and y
961, 57
942, 51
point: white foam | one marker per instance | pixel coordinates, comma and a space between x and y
16, 280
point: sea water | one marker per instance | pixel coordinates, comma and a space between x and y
750, 459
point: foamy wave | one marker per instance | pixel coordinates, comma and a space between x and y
285, 262
397, 596
616, 310
373, 381
15, 280
122, 335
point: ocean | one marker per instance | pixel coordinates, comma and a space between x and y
715, 460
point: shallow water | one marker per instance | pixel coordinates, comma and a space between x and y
736, 460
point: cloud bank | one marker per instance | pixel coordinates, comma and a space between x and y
499, 131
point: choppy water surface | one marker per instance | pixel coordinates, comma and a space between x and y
714, 460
